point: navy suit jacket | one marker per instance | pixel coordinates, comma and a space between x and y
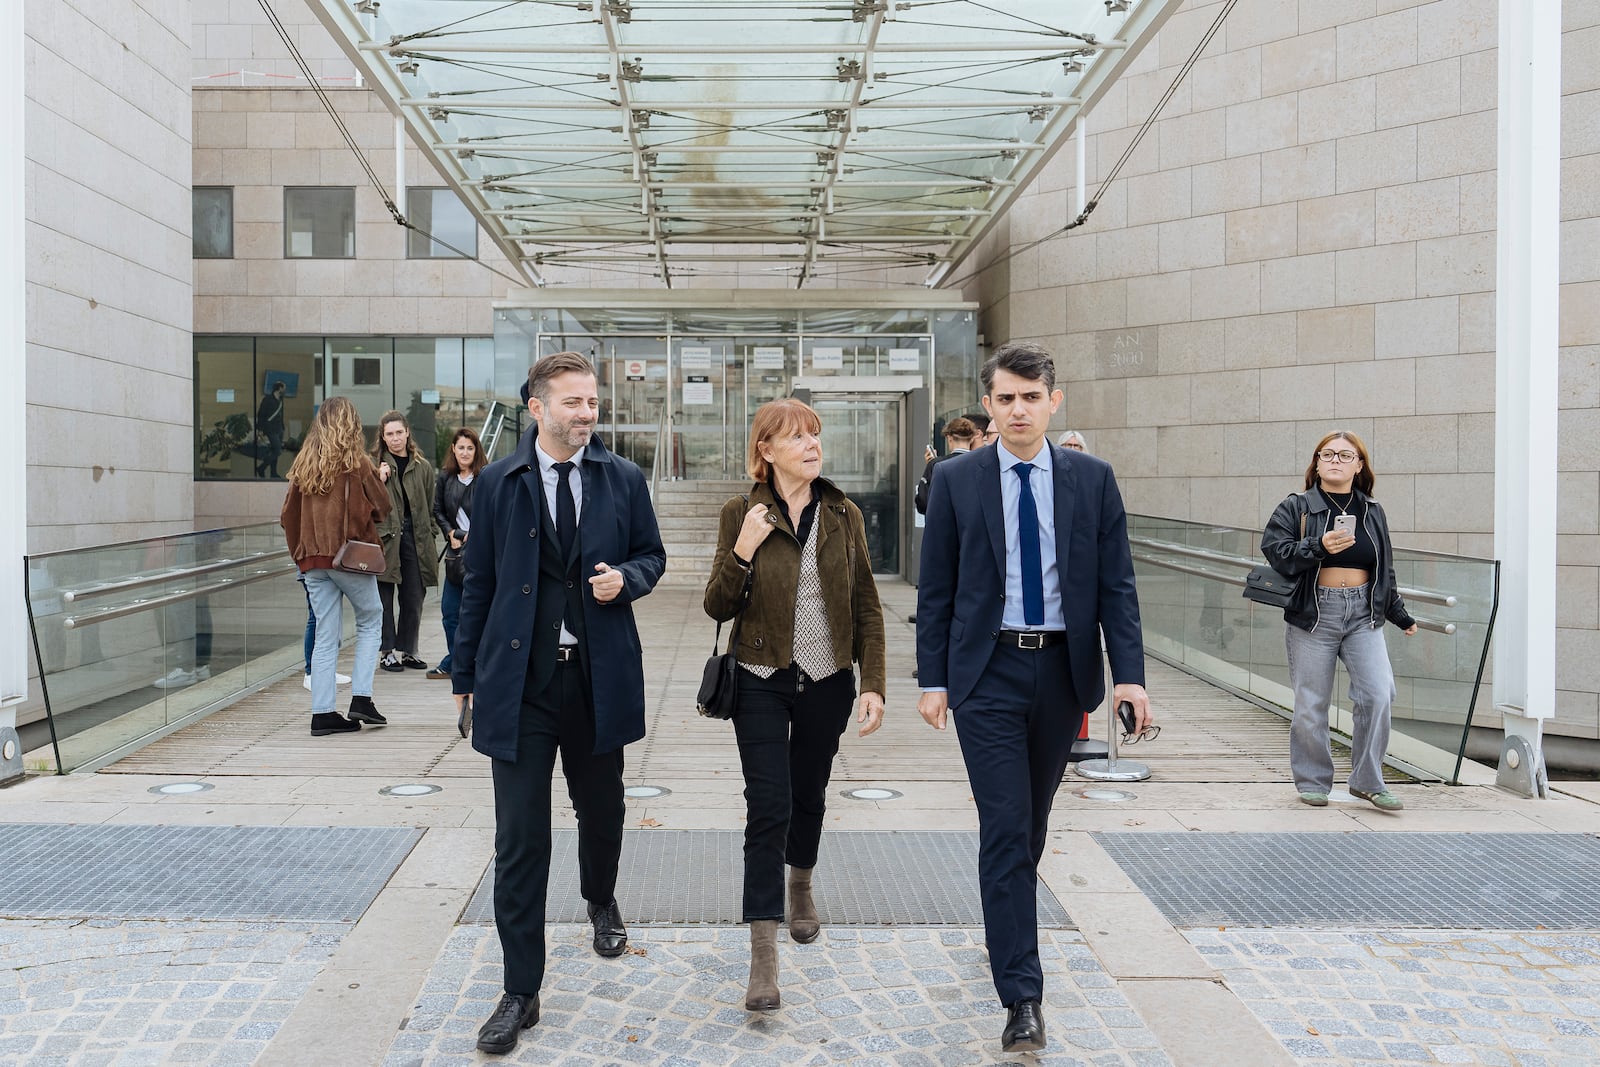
494, 637
961, 588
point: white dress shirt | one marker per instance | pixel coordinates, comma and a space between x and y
552, 479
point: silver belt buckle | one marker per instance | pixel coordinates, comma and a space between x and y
1030, 642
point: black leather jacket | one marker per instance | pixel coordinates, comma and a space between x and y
449, 497
1301, 558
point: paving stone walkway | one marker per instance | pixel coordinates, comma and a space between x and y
904, 997
104, 993
1425, 996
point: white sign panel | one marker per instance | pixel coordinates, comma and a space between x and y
430, 396
769, 357
905, 359
635, 369
694, 358
224, 396
697, 391
827, 359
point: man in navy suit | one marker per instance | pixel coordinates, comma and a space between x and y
564, 540
1025, 561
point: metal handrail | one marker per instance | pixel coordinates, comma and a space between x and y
72, 596
1447, 628
77, 622
1447, 600
655, 460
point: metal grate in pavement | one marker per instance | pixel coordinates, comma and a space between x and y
864, 878
285, 873
1442, 880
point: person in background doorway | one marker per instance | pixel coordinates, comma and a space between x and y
409, 547
335, 496
1074, 440
1333, 541
269, 423
960, 435
800, 546
452, 513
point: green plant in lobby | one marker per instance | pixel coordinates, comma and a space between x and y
225, 436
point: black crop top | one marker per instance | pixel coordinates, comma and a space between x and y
1362, 555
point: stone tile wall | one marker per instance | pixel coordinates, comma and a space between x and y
1306, 240
109, 294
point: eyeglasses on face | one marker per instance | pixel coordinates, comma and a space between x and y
1328, 455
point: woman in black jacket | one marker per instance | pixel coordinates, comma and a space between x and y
452, 513
1333, 540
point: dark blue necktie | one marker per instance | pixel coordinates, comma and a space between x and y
567, 510
1028, 544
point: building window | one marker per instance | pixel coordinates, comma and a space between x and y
442, 222
319, 223
213, 222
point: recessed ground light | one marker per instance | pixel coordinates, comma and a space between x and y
1094, 792
173, 789
871, 793
410, 789
646, 792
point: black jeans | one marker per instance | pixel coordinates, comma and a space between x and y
788, 735
404, 635
560, 719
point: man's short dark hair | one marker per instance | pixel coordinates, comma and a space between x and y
1025, 360
979, 419
540, 373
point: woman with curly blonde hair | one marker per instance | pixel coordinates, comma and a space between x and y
335, 496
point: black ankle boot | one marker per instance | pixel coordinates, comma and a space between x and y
363, 710
331, 722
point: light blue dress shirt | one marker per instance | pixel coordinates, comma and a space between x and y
1042, 481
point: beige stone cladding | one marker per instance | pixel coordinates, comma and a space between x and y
1306, 240
108, 363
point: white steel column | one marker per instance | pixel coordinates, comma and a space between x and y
400, 167
1082, 138
13, 400
1526, 314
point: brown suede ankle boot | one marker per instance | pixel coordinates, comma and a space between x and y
762, 995
803, 922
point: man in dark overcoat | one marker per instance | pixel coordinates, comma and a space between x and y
564, 540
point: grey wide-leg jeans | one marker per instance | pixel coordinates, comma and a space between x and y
1344, 631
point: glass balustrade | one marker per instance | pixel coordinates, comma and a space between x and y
134, 640
1191, 578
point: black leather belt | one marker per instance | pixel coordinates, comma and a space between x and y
566, 653
1032, 640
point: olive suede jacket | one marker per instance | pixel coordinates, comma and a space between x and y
315, 527
850, 596
418, 480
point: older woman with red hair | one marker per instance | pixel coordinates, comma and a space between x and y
796, 547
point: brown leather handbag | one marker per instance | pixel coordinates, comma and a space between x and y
357, 557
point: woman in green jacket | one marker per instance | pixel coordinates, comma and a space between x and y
410, 552
800, 546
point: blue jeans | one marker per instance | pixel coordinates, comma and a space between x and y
325, 588
450, 609
1344, 631
311, 624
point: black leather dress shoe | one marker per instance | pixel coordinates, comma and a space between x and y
610, 936
1024, 1030
514, 1014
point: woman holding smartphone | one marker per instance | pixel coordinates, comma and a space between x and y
1333, 540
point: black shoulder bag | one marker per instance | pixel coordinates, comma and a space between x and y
719, 682
1264, 585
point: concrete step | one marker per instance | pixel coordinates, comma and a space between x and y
690, 550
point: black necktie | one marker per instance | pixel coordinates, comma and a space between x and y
566, 510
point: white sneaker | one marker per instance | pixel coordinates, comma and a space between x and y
177, 678
338, 679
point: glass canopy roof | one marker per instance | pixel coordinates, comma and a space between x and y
665, 136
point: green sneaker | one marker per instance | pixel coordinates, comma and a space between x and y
1382, 800
1316, 800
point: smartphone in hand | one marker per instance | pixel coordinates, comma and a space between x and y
1345, 524
1129, 723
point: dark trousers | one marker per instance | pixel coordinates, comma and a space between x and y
560, 719
450, 614
788, 734
1016, 737
404, 634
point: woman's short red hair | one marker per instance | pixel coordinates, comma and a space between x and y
777, 418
